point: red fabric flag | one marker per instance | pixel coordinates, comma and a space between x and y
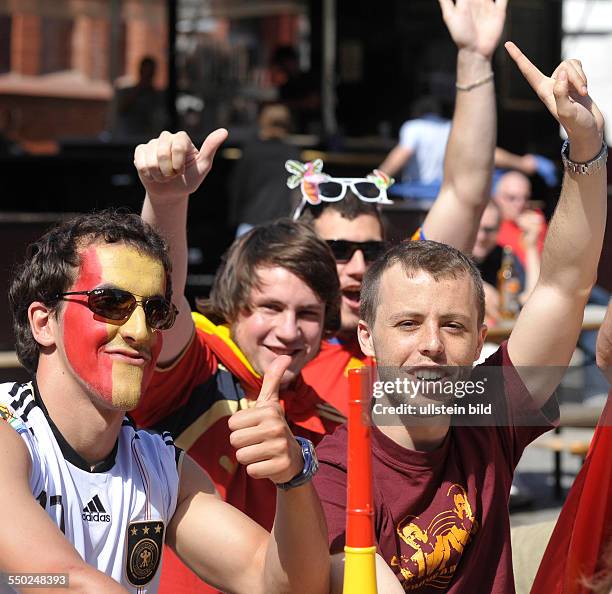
584, 527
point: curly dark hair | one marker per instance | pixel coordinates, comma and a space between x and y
52, 263
288, 244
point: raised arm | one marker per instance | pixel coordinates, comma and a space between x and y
546, 331
475, 26
228, 549
171, 168
37, 546
506, 160
396, 160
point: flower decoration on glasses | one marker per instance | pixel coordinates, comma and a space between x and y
318, 187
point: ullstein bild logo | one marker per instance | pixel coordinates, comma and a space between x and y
94, 511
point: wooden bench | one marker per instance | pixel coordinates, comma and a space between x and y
576, 416
559, 443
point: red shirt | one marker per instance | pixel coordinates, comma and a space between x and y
510, 234
441, 518
327, 373
193, 400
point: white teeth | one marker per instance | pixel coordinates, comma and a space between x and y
429, 375
283, 351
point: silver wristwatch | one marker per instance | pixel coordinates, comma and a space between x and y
311, 465
595, 164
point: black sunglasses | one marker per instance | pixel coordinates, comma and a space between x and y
343, 250
118, 305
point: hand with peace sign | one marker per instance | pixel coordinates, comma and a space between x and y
262, 439
565, 94
545, 333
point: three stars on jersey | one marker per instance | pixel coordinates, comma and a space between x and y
145, 541
145, 530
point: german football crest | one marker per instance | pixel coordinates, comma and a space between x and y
144, 549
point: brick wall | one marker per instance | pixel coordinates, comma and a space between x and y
39, 118
74, 103
26, 44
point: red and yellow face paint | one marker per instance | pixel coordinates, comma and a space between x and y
113, 360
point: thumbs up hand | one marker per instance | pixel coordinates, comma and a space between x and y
271, 382
171, 167
262, 439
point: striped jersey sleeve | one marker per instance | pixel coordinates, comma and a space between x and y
16, 402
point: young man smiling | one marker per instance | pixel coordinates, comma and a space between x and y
275, 293
441, 488
95, 498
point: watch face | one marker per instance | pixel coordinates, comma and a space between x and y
310, 457
313, 462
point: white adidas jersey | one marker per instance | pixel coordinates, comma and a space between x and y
116, 514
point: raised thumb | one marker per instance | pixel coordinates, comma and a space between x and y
212, 143
272, 380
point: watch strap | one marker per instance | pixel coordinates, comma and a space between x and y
595, 164
311, 465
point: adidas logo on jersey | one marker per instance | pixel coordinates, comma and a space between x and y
94, 511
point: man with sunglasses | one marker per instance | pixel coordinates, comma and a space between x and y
95, 499
352, 226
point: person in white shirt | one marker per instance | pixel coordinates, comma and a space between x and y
93, 498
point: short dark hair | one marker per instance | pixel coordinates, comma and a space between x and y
350, 207
437, 259
51, 264
284, 243
424, 105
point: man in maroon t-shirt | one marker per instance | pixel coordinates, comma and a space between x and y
441, 489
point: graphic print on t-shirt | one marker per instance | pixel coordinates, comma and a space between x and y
435, 544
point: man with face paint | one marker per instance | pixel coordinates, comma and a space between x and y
96, 351
97, 499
